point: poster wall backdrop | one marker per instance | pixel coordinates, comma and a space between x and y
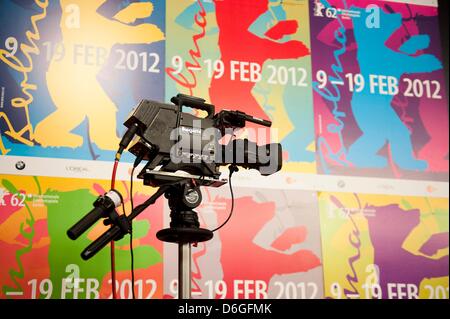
356, 93
379, 90
86, 64
40, 261
384, 246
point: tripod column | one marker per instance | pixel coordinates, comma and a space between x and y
184, 271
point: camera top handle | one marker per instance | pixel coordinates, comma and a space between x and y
193, 102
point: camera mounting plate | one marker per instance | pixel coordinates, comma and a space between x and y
157, 178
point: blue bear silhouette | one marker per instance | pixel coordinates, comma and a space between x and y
373, 113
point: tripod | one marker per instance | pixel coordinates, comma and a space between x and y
183, 193
184, 230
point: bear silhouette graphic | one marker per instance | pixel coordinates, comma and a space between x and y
375, 117
72, 81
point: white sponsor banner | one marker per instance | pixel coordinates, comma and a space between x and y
35, 166
346, 184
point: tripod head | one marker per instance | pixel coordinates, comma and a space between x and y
184, 225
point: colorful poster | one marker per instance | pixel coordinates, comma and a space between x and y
270, 248
380, 102
39, 261
384, 247
252, 56
71, 71
356, 86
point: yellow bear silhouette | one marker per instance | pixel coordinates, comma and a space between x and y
72, 83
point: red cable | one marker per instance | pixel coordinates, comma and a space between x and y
113, 264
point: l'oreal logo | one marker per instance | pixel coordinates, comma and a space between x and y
77, 169
386, 186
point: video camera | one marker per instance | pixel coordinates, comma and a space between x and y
183, 152
176, 141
